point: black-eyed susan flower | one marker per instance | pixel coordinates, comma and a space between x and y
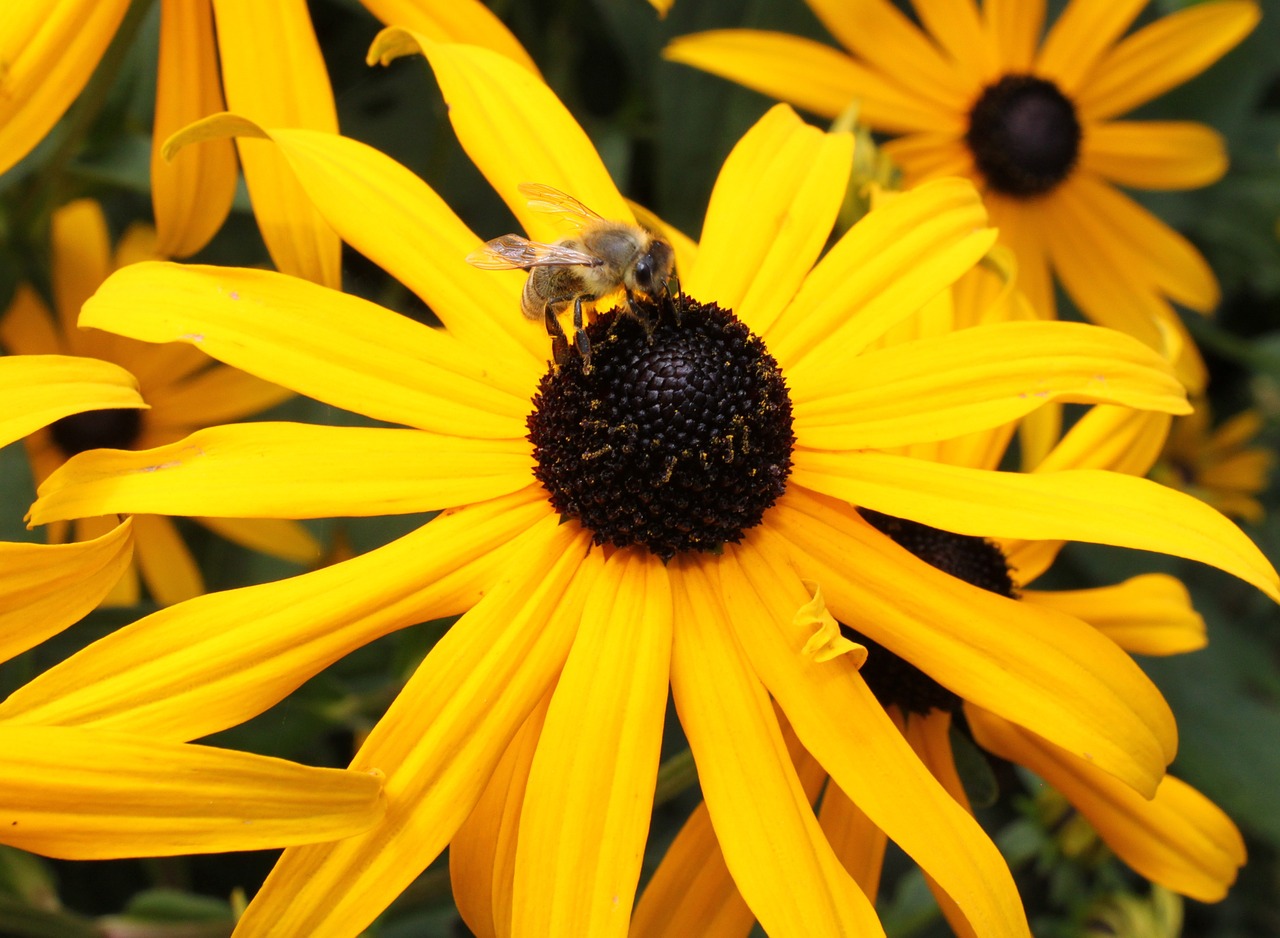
724, 434
1034, 123
1222, 466
183, 388
84, 794
262, 59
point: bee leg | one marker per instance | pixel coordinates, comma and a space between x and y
559, 341
580, 339
641, 314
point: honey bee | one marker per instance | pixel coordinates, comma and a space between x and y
600, 258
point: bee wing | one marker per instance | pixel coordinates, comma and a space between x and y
554, 202
512, 251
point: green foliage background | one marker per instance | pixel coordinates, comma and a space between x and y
664, 129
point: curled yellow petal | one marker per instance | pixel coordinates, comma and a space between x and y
826, 642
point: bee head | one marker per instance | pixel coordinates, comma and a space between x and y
653, 269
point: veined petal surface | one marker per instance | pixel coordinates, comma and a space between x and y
287, 470
898, 794
979, 378
396, 220
1030, 664
514, 129
436, 745
336, 348
193, 669
881, 271
87, 795
191, 193
590, 791
761, 814
771, 210
272, 73
1074, 505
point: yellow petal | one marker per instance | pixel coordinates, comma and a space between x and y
1028, 663
1151, 253
39, 389
1147, 615
216, 395
85, 795
192, 194
166, 565
216, 661
590, 793
278, 537
287, 470
884, 269
1179, 839
316, 341
46, 587
437, 745
1164, 54
468, 21
81, 247
1154, 154
691, 892
899, 795
761, 814
514, 129
977, 379
858, 843
482, 855
930, 154
273, 74
49, 50
1015, 27
772, 207
27, 328
396, 220
878, 32
1077, 505
810, 75
1080, 37
1114, 438
955, 25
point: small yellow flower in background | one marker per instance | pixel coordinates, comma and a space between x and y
1218, 465
976, 93
724, 483
183, 388
262, 59
85, 794
1127, 916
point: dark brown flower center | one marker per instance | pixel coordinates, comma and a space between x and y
97, 429
978, 562
1024, 135
677, 438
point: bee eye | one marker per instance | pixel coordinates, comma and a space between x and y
644, 273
